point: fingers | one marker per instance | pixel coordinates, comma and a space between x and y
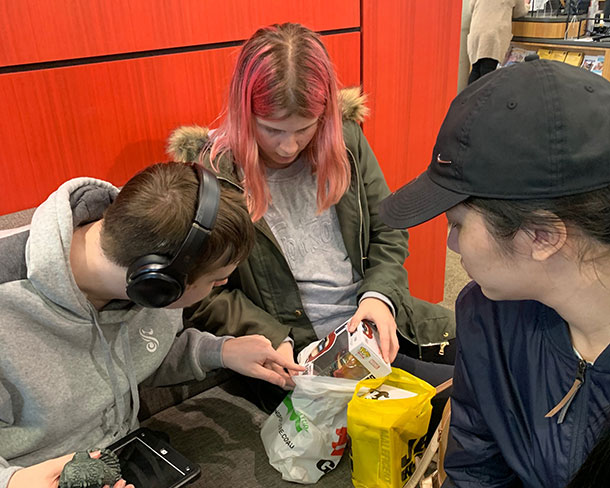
267, 374
286, 375
384, 343
379, 313
388, 340
290, 384
284, 362
388, 343
57, 464
395, 347
120, 484
46, 473
292, 372
354, 321
63, 459
254, 356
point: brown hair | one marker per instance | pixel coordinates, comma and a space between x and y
153, 213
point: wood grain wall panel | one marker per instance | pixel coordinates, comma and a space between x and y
410, 60
33, 31
108, 120
344, 51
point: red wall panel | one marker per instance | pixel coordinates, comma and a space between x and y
108, 120
34, 31
410, 62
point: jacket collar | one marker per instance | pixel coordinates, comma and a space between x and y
186, 143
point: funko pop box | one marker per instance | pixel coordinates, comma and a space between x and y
343, 355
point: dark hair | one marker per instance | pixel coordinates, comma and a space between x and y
153, 213
586, 213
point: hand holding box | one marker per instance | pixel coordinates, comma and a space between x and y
344, 355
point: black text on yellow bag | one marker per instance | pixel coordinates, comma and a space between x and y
387, 419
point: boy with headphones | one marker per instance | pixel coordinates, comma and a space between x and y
90, 307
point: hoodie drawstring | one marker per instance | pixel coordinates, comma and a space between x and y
131, 377
121, 410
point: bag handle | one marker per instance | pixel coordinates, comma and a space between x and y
433, 445
443, 437
443, 386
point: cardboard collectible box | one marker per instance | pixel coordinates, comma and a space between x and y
344, 355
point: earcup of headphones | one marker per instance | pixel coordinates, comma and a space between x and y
150, 285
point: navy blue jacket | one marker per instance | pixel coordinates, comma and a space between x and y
515, 362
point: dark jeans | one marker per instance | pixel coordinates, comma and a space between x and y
482, 67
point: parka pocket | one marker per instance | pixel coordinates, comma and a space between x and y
6, 408
434, 324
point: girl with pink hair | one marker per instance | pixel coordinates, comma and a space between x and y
292, 142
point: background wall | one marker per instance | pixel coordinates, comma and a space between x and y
94, 88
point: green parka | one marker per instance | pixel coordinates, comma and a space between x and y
262, 297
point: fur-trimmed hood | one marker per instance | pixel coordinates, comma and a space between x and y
186, 142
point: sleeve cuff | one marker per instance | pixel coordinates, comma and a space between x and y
379, 296
6, 474
210, 352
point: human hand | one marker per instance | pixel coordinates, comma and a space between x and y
253, 355
377, 311
287, 351
47, 473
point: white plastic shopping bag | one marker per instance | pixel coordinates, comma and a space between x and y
306, 435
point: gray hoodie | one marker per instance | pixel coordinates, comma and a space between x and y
69, 373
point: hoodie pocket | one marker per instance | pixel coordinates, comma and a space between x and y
6, 408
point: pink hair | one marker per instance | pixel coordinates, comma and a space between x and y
284, 68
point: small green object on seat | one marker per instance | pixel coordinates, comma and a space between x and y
85, 472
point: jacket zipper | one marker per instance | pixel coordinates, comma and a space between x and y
564, 404
360, 216
576, 457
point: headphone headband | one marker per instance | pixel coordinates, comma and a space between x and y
156, 281
201, 226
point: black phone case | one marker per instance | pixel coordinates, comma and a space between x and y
162, 452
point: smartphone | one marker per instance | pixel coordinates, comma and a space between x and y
149, 462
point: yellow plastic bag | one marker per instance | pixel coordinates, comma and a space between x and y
386, 425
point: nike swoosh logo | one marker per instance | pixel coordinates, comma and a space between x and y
442, 161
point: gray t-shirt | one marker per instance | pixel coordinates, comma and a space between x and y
313, 247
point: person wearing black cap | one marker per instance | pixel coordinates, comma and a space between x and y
521, 167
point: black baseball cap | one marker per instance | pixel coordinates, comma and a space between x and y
533, 130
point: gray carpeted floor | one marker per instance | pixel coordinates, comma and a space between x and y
205, 428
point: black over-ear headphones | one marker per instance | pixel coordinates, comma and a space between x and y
154, 280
